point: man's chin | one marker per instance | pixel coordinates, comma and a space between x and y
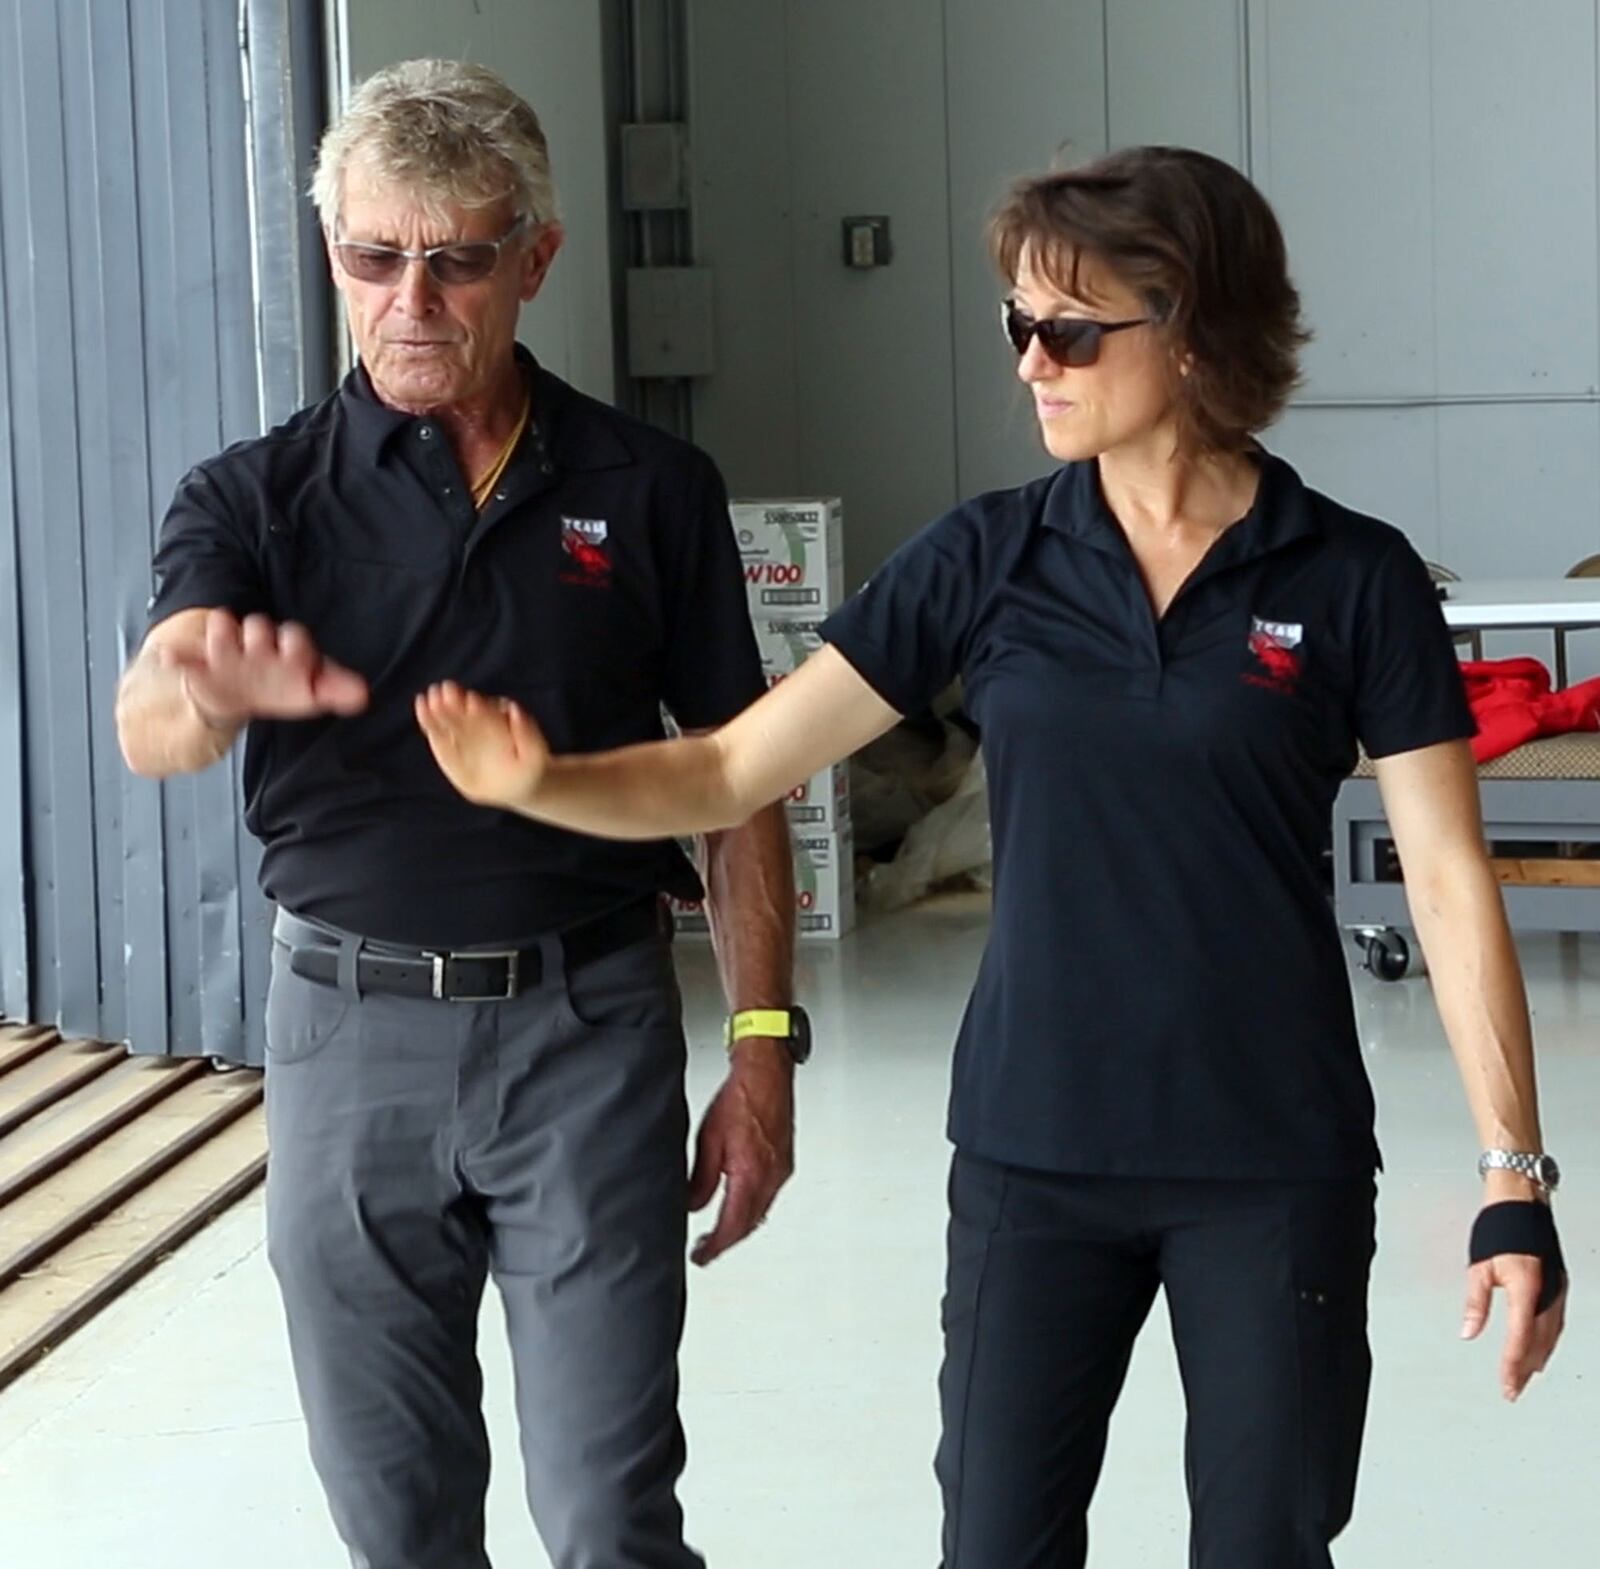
416, 386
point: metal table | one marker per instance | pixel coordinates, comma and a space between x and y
1547, 793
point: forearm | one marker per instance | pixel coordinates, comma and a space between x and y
749, 876
657, 790
160, 730
1477, 983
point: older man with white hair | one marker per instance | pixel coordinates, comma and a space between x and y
475, 1052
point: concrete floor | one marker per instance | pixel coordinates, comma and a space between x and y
167, 1434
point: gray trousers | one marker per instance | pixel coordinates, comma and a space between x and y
418, 1147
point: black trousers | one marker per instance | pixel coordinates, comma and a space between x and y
1050, 1279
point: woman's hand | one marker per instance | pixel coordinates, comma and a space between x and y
1531, 1336
487, 747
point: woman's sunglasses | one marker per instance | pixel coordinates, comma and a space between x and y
1069, 341
462, 262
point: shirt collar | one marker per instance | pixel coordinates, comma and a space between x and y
571, 427
1283, 511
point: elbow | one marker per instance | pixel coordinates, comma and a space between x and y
134, 754
1452, 883
142, 756
733, 799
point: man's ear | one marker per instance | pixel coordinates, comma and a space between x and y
538, 256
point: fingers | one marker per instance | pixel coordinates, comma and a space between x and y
338, 690
223, 638
261, 641
707, 1171
1480, 1291
742, 1211
1547, 1330
447, 707
1517, 1358
527, 735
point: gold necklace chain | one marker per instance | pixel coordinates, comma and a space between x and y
483, 488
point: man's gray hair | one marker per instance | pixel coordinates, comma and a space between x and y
444, 130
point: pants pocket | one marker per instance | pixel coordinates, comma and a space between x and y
302, 1016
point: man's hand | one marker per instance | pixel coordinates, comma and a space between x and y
257, 669
1530, 1338
487, 747
747, 1136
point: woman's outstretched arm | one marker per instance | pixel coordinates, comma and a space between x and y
494, 753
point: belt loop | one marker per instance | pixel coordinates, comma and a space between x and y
552, 960
349, 968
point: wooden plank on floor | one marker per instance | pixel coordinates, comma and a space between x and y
87, 1120
65, 1060
122, 1087
47, 1205
48, 1303
20, 1043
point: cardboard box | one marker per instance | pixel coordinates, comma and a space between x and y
793, 553
822, 803
825, 893
785, 642
825, 884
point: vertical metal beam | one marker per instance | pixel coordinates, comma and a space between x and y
15, 998
48, 498
270, 165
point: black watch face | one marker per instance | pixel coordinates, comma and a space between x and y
1549, 1172
799, 1034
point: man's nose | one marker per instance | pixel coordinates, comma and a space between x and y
417, 293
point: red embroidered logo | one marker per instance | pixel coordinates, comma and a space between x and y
585, 543
1274, 648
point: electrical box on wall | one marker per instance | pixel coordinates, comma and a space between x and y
866, 243
655, 167
669, 322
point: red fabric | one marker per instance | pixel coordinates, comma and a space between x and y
1513, 704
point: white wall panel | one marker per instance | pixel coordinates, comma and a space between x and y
875, 374
1175, 75
1021, 96
1344, 130
1379, 461
1514, 198
1519, 488
746, 414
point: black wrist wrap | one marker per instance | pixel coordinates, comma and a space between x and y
1521, 1226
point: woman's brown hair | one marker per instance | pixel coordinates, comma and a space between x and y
1201, 245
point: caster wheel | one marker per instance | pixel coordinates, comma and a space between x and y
1388, 956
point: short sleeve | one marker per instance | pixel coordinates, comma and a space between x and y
907, 631
1409, 690
713, 667
205, 558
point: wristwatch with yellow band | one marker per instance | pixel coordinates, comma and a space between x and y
791, 1026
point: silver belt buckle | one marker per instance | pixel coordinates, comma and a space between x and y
442, 962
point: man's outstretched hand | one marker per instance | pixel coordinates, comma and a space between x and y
258, 668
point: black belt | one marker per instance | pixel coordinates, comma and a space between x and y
478, 975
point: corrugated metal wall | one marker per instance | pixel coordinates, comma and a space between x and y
133, 306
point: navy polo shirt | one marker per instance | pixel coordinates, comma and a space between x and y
1164, 992
601, 583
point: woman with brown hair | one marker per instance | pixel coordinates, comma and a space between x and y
1174, 649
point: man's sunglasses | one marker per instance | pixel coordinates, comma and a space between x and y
1069, 341
464, 261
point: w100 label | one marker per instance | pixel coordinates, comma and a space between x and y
779, 574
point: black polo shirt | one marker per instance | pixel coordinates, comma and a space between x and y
601, 582
1164, 992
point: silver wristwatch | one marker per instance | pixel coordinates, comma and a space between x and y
1541, 1169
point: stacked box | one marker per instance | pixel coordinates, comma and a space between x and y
793, 554
824, 887
822, 803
